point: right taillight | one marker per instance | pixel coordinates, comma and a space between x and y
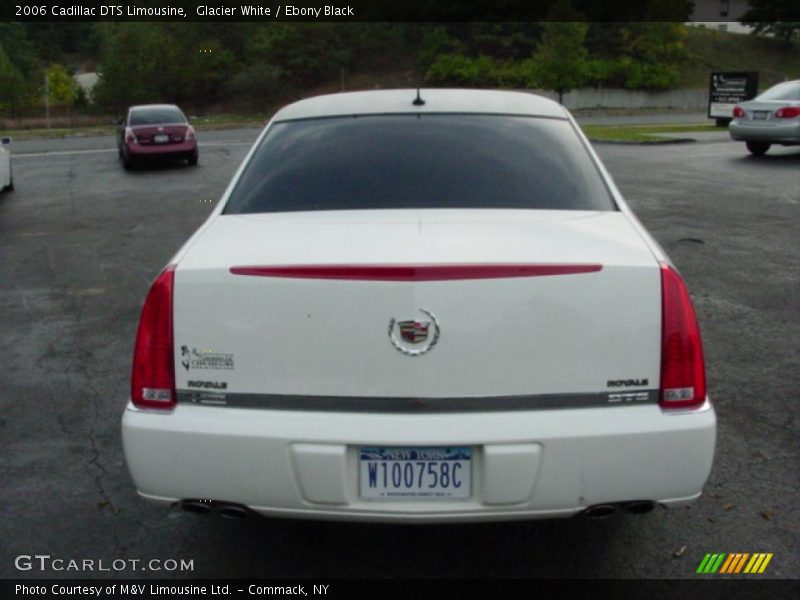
683, 372
738, 112
153, 374
788, 112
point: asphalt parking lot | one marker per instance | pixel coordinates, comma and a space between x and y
81, 240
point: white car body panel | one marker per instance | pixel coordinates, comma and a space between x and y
586, 457
5, 167
315, 375
318, 337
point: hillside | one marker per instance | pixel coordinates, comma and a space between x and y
715, 51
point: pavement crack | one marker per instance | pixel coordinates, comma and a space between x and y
94, 467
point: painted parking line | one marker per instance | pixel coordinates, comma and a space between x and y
62, 153
105, 150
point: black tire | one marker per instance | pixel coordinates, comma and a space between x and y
126, 164
10, 186
758, 148
193, 160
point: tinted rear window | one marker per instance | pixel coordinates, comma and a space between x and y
411, 161
783, 91
154, 116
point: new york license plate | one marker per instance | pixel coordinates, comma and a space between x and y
415, 473
161, 138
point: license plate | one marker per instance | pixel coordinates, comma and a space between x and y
161, 138
415, 473
760, 115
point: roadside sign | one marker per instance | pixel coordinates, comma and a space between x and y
727, 89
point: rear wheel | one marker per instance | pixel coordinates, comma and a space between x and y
758, 148
193, 160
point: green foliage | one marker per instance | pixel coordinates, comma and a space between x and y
135, 59
436, 42
657, 51
640, 75
19, 68
561, 58
19, 49
772, 17
636, 55
55, 41
257, 64
12, 83
62, 88
160, 62
256, 85
460, 70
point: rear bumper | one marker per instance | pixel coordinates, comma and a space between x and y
775, 133
526, 464
159, 151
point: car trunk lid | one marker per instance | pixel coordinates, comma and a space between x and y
418, 304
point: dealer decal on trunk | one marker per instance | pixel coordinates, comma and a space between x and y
205, 359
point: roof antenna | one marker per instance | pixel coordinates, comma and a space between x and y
418, 101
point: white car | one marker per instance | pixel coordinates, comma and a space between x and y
6, 176
415, 307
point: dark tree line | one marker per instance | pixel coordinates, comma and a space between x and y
257, 65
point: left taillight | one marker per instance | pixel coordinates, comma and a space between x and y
153, 374
738, 112
683, 369
130, 136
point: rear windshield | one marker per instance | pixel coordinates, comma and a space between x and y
783, 91
154, 116
413, 161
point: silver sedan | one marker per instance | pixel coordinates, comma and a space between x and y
770, 118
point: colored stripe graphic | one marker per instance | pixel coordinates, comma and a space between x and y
734, 563
741, 562
711, 563
728, 562
703, 563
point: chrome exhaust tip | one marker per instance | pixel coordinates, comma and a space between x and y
639, 507
233, 511
601, 511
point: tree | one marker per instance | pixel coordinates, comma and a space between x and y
562, 62
13, 90
62, 87
772, 16
649, 54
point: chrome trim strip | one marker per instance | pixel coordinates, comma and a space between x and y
417, 405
